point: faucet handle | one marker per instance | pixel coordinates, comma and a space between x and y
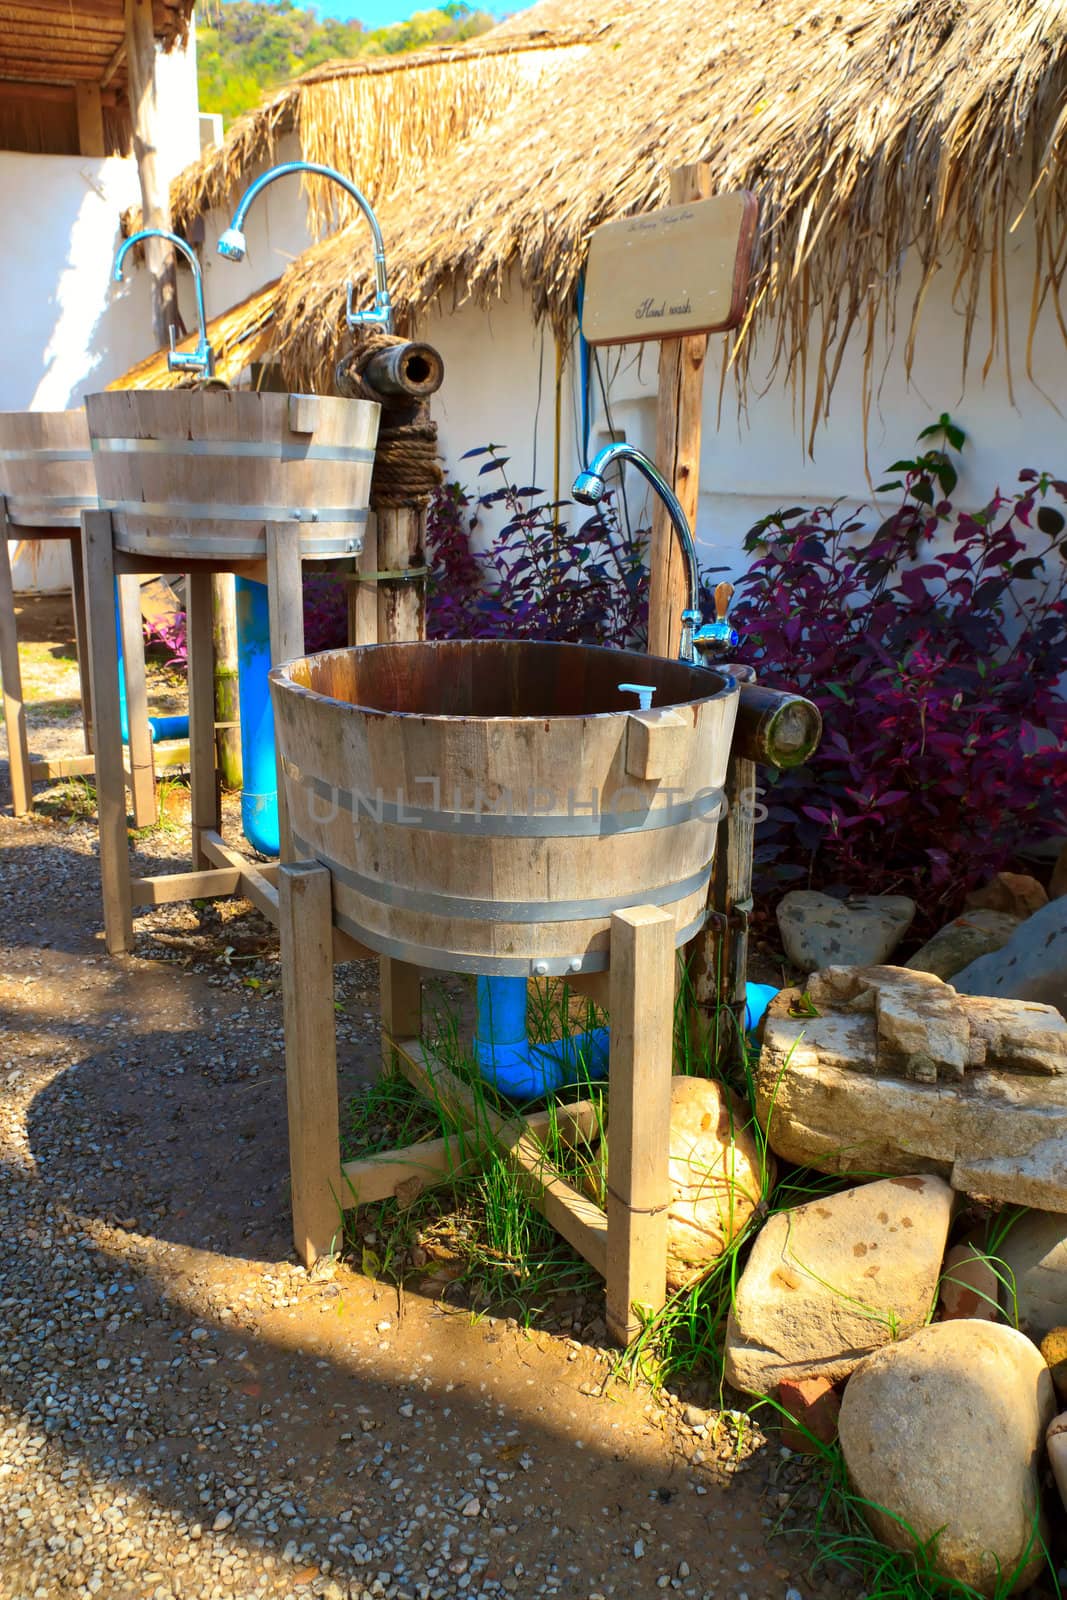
643, 691
716, 638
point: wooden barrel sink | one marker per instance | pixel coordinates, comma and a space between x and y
199, 474
46, 469
485, 805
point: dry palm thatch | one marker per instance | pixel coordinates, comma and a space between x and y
870, 130
381, 120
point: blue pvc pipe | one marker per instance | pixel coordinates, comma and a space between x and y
522, 1070
259, 797
158, 727
525, 1071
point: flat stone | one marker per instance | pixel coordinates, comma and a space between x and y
969, 1286
1034, 1250
838, 1091
716, 1171
943, 1432
832, 1280
818, 930
1017, 893
1031, 966
963, 940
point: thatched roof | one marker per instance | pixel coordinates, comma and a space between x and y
868, 129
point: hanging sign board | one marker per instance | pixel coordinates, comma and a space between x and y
681, 270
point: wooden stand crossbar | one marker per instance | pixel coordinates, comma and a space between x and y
627, 1243
139, 776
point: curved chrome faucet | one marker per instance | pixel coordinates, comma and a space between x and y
202, 359
234, 246
589, 488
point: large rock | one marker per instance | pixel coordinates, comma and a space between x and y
819, 931
958, 943
1056, 1440
717, 1175
944, 1433
1017, 893
883, 1069
834, 1279
1034, 1250
1031, 966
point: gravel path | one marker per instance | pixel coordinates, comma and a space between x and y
184, 1412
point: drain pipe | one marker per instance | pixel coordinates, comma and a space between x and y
519, 1069
158, 727
259, 793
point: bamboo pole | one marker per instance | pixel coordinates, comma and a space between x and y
155, 193
678, 430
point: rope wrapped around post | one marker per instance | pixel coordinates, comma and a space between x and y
401, 375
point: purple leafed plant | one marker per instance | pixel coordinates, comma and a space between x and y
539, 578
936, 649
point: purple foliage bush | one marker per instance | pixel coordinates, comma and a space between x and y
539, 579
936, 649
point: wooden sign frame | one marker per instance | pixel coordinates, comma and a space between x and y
671, 273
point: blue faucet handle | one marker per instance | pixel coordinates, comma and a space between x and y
643, 691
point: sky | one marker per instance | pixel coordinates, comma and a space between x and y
376, 13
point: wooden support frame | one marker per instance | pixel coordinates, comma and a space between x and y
26, 770
626, 1243
217, 868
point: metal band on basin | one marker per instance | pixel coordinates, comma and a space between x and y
265, 449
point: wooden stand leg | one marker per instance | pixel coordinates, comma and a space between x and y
81, 639
285, 599
400, 990
18, 749
142, 764
306, 934
639, 1090
110, 777
204, 801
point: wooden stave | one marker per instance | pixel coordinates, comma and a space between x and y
258, 490
42, 493
336, 739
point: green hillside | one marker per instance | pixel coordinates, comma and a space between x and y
246, 47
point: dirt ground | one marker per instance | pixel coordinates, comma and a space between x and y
185, 1412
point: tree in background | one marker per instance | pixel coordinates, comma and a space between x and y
252, 46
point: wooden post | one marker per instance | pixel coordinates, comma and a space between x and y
227, 700
81, 638
641, 976
204, 798
142, 765
88, 103
363, 597
285, 601
400, 992
18, 748
155, 194
678, 430
401, 546
306, 934
98, 555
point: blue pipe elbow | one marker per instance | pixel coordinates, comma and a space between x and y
259, 797
519, 1069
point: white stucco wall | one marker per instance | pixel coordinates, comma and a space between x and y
500, 383
68, 330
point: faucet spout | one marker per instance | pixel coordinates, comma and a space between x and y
589, 488
233, 245
202, 359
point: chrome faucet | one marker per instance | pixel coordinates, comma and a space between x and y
202, 359
588, 489
234, 246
